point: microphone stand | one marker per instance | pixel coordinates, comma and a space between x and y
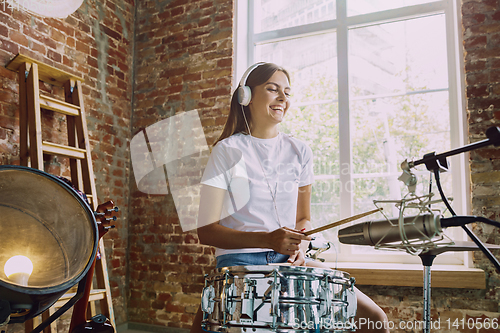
436, 164
427, 260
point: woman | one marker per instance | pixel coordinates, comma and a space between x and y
256, 192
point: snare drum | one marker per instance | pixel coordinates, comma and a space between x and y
278, 298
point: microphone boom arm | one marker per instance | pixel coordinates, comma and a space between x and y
433, 161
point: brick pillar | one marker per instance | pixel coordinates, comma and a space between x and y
183, 63
481, 23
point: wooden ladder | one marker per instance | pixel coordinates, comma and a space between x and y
32, 149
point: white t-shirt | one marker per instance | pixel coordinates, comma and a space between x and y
248, 205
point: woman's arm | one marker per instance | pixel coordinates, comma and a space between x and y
303, 223
304, 208
210, 232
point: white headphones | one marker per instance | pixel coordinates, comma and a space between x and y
244, 91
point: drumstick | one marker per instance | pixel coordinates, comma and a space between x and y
335, 224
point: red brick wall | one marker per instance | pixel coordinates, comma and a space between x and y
481, 23
96, 44
183, 62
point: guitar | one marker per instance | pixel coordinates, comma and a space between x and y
79, 324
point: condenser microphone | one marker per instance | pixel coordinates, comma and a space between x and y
424, 227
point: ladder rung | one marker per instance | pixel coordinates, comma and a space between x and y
61, 150
95, 295
53, 104
46, 73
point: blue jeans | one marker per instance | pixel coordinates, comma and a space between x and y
250, 259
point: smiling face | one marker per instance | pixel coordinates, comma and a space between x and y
270, 101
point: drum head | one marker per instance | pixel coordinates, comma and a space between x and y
45, 220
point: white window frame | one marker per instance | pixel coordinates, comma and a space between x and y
245, 44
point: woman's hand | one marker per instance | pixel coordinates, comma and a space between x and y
286, 240
299, 259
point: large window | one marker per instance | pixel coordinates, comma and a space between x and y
373, 83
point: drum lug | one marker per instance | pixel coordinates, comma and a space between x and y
248, 301
325, 298
207, 299
275, 296
351, 302
228, 304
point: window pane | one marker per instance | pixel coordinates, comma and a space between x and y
279, 14
386, 131
398, 109
389, 130
398, 57
358, 7
398, 103
313, 115
312, 63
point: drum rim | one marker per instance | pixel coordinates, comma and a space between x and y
316, 271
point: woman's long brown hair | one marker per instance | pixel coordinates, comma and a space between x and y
235, 122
